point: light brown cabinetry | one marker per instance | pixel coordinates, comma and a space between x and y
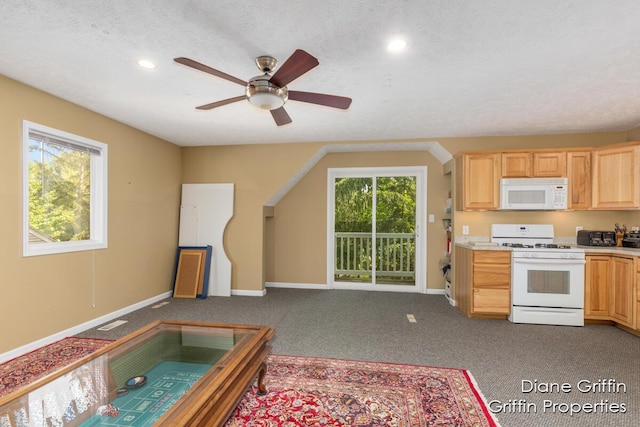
552, 164
605, 177
610, 290
534, 164
483, 282
596, 287
478, 181
616, 177
579, 177
622, 287
516, 165
637, 295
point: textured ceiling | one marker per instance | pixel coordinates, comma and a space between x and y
472, 68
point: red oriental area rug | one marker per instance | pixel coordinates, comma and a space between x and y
32, 366
305, 391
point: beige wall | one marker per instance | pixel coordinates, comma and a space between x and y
258, 172
297, 233
45, 295
633, 134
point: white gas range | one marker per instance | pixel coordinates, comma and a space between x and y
547, 279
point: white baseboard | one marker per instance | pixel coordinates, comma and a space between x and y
324, 286
245, 293
291, 285
11, 354
442, 292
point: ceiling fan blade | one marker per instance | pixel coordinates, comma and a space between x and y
221, 103
198, 66
295, 66
280, 116
321, 99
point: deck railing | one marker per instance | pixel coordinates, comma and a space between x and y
395, 255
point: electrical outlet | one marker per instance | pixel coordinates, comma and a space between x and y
432, 218
578, 228
465, 230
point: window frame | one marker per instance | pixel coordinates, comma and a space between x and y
98, 194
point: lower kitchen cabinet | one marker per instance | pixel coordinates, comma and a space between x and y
621, 304
483, 281
596, 287
610, 288
491, 301
637, 293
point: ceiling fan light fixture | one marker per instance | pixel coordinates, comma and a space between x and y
264, 95
270, 92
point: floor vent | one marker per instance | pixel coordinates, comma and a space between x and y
160, 304
112, 325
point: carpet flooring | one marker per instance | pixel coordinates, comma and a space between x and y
504, 358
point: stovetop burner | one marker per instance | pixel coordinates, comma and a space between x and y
537, 246
552, 246
517, 245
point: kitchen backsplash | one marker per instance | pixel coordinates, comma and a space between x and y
565, 222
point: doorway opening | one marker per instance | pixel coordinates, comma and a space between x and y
376, 228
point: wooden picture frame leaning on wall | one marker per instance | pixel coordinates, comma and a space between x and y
191, 278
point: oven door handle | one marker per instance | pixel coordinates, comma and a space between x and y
548, 261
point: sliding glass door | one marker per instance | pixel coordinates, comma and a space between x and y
374, 240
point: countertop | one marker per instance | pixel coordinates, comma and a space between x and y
485, 245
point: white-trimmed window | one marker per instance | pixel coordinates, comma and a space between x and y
64, 191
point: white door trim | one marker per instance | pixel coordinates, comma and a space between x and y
420, 172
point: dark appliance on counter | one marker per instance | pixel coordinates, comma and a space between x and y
596, 238
631, 240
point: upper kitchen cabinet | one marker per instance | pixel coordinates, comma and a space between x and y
478, 181
616, 177
516, 165
579, 177
534, 164
552, 164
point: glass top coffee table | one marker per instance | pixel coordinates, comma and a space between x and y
169, 373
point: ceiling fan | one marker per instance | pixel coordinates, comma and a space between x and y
269, 92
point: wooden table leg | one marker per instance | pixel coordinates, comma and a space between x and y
262, 389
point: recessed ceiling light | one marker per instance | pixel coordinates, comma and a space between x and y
145, 63
397, 44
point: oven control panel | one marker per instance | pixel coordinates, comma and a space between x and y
547, 254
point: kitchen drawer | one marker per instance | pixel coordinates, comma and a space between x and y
492, 275
494, 301
492, 257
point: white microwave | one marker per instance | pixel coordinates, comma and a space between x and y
534, 194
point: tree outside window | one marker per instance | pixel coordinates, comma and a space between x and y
65, 186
